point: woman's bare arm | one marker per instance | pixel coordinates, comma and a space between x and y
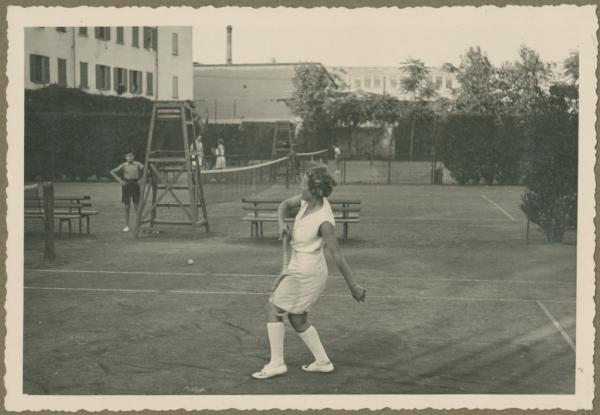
328, 232
282, 210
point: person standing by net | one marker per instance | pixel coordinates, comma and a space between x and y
299, 287
220, 155
197, 150
128, 174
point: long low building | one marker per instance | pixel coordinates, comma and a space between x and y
235, 93
154, 62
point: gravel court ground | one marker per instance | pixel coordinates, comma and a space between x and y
454, 303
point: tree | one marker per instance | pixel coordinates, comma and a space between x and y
477, 92
571, 67
419, 84
523, 83
313, 88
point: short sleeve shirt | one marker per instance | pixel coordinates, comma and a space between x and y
306, 236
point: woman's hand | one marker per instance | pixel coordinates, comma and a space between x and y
284, 229
358, 293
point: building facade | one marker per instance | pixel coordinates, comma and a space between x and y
386, 80
235, 93
153, 62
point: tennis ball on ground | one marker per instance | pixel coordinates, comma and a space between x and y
190, 261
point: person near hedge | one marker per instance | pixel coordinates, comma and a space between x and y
129, 174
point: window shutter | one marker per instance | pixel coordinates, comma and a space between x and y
107, 77
46, 69
116, 77
97, 32
140, 82
107, 33
155, 38
32, 68
98, 85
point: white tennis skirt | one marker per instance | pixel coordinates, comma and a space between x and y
304, 280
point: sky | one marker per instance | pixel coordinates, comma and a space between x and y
385, 37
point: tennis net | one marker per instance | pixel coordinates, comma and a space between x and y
226, 185
38, 220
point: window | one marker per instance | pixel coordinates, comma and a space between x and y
103, 77
149, 83
61, 29
377, 82
83, 31
135, 37
62, 72
150, 37
39, 67
120, 35
438, 82
102, 33
83, 75
449, 83
175, 87
367, 82
175, 46
120, 77
135, 82
357, 83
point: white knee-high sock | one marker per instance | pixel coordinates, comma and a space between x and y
312, 341
276, 333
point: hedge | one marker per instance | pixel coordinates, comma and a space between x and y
478, 147
550, 200
70, 134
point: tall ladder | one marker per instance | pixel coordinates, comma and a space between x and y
170, 177
283, 142
283, 145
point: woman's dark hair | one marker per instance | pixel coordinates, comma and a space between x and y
320, 182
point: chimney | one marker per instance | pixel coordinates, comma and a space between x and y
229, 60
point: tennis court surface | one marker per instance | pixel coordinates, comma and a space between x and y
458, 302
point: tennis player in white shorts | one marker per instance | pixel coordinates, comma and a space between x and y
298, 288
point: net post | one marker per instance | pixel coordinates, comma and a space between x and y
344, 171
287, 173
48, 193
389, 170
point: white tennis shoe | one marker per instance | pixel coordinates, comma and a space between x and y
270, 371
320, 368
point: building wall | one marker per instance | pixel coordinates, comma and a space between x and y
234, 93
387, 79
180, 65
76, 48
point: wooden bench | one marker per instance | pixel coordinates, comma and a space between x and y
261, 210
66, 209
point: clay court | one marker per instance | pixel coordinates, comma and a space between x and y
458, 303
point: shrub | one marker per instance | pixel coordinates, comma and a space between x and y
551, 176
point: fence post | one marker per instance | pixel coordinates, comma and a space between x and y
48, 192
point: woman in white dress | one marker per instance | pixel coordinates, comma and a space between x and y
298, 288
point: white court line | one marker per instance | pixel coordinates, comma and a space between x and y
198, 292
499, 207
556, 324
194, 274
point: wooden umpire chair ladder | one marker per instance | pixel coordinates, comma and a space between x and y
283, 145
161, 186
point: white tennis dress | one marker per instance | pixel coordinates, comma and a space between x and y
306, 274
